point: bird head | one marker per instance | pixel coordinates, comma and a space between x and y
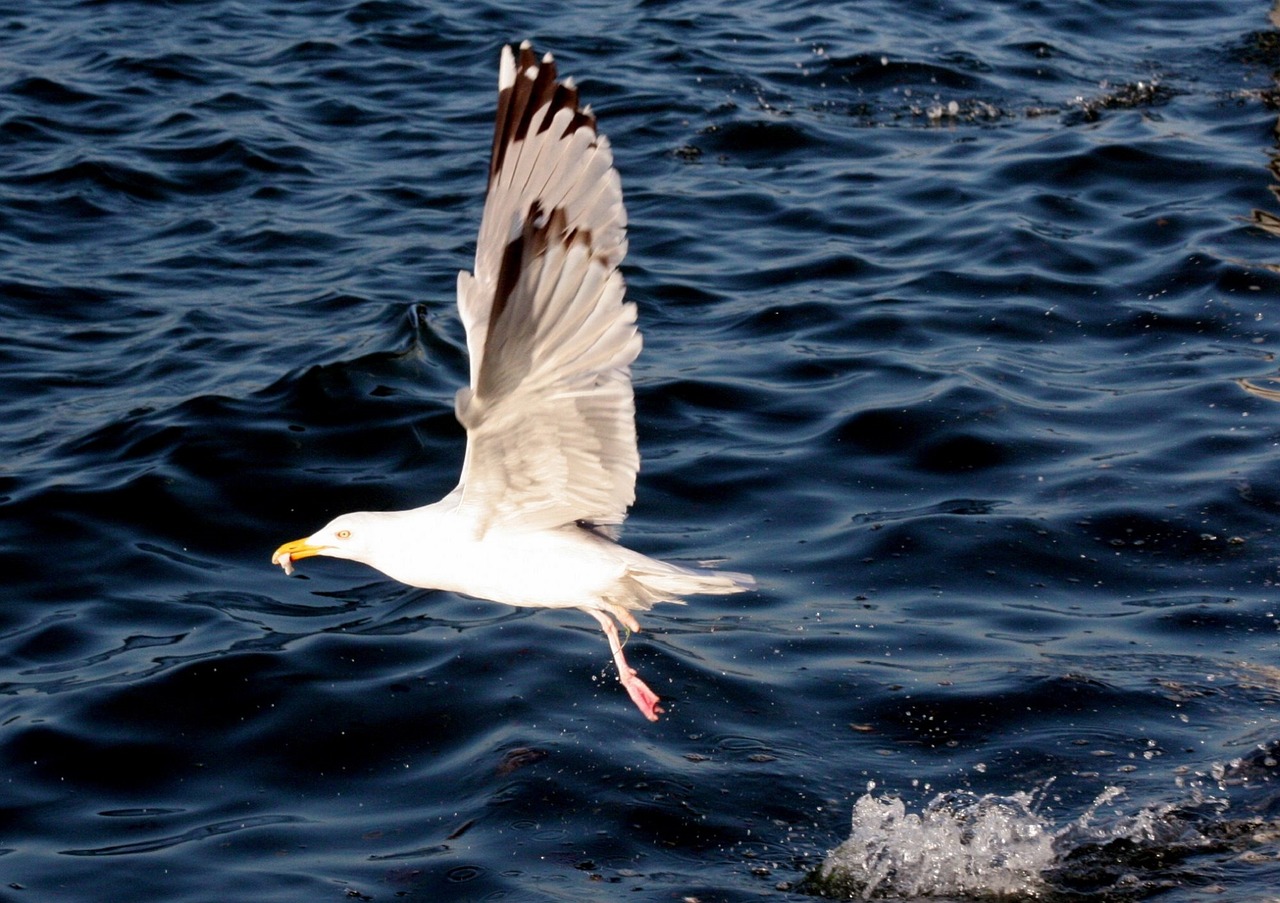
349, 536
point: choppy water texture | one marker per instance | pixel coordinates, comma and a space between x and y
961, 321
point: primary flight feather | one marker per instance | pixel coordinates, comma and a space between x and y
551, 460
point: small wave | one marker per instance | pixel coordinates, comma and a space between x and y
758, 138
871, 71
201, 833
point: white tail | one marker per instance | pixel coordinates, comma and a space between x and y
662, 581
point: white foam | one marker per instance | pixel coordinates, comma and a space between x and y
959, 844
965, 845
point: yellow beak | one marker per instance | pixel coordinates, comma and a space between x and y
291, 551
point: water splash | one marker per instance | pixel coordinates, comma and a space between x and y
984, 847
960, 844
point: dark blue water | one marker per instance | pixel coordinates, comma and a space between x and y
960, 320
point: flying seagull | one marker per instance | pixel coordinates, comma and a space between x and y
551, 460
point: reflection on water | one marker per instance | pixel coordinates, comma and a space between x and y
1268, 47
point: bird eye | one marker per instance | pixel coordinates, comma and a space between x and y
344, 534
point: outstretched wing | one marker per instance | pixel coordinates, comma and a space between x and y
550, 412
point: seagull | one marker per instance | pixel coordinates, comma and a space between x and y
551, 459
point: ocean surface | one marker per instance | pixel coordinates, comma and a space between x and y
961, 322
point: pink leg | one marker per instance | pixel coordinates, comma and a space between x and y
645, 699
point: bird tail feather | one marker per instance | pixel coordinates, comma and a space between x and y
662, 581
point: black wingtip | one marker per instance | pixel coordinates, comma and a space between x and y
531, 101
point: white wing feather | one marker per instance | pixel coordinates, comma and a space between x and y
550, 412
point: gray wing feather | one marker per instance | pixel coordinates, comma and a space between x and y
550, 412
